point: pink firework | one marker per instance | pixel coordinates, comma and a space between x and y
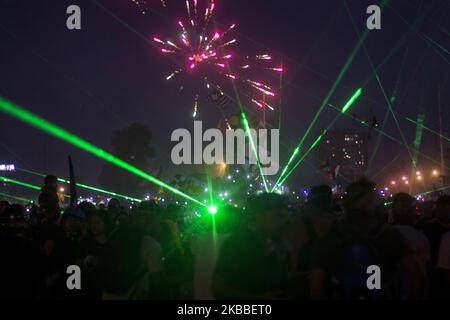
198, 43
253, 72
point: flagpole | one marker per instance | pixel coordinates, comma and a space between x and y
441, 135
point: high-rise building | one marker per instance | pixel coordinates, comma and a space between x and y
345, 153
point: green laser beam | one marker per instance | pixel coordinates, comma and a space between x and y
337, 81
252, 143
386, 117
432, 191
344, 109
300, 161
437, 44
45, 126
83, 186
284, 145
250, 111
333, 87
418, 138
24, 184
294, 154
387, 165
400, 43
424, 37
428, 129
391, 110
389, 136
402, 135
377, 77
362, 122
351, 101
5, 195
417, 143
212, 209
335, 84
20, 183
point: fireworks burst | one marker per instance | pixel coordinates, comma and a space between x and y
258, 92
197, 44
202, 49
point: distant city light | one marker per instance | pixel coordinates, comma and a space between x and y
7, 167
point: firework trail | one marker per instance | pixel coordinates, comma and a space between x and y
143, 5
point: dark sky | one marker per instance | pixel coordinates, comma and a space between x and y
105, 76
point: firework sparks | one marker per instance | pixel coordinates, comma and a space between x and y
198, 50
199, 44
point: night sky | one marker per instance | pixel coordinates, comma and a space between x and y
105, 76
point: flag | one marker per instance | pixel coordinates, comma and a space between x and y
73, 188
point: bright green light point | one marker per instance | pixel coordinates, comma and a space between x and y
57, 132
212, 210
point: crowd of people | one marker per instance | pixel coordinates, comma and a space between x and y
270, 249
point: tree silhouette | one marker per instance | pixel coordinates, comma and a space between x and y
132, 145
